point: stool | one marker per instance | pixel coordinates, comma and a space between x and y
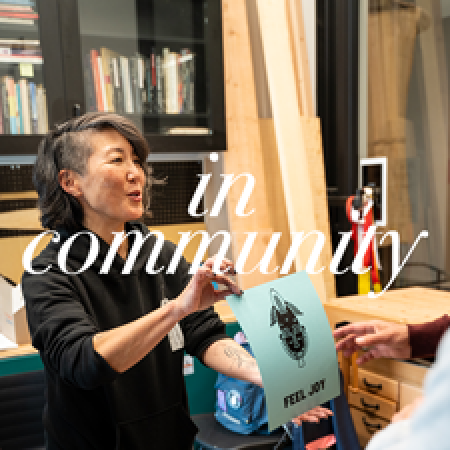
212, 435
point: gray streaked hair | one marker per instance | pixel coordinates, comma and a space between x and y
69, 147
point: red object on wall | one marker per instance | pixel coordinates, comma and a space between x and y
369, 259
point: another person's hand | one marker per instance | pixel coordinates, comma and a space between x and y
313, 415
376, 338
200, 293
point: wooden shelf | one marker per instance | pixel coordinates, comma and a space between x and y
22, 350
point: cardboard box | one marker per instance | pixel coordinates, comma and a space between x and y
13, 321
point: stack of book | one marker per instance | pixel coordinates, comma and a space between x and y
20, 51
17, 12
159, 84
23, 107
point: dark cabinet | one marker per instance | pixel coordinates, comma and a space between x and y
157, 62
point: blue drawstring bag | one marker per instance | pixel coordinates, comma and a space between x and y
241, 405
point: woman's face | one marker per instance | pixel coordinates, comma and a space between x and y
110, 191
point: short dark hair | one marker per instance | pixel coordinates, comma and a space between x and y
69, 147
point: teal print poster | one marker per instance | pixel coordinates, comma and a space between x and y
290, 336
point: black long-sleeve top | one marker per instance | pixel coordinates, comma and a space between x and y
88, 404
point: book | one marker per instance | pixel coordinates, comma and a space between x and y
24, 98
21, 59
29, 106
19, 109
179, 85
89, 88
126, 83
102, 84
30, 3
26, 51
16, 21
96, 78
44, 110
11, 93
165, 79
171, 83
154, 107
159, 86
39, 107
105, 55
191, 96
1, 112
148, 86
21, 15
134, 83
117, 83
9, 7
141, 81
185, 59
34, 114
5, 107
20, 42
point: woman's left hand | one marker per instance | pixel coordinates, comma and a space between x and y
200, 293
313, 415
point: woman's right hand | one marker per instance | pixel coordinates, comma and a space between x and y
200, 293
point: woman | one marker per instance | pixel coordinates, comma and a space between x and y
111, 344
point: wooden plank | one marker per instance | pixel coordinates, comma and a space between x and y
243, 140
300, 56
259, 68
275, 193
316, 165
292, 134
314, 149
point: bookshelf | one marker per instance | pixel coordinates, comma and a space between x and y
159, 63
31, 80
187, 114
23, 96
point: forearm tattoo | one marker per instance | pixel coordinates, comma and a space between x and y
241, 357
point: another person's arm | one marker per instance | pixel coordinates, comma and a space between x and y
424, 338
390, 340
